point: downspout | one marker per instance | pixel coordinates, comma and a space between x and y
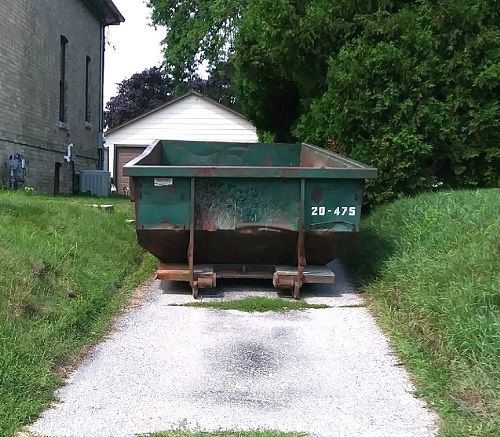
100, 144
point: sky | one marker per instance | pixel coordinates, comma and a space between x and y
132, 46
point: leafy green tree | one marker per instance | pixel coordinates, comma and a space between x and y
282, 53
417, 95
411, 87
198, 30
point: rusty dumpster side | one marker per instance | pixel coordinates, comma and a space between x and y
282, 211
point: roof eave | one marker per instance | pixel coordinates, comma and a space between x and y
106, 11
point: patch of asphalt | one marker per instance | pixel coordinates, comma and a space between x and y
327, 372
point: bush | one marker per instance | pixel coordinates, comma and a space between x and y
416, 95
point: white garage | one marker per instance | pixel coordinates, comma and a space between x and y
191, 117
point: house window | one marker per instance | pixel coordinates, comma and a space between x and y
87, 89
62, 80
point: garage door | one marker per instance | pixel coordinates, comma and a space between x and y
124, 155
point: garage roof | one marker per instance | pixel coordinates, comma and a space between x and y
171, 102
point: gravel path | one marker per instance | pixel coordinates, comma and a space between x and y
326, 372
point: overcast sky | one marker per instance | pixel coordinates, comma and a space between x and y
132, 46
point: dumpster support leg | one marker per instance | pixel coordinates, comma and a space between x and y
301, 243
190, 254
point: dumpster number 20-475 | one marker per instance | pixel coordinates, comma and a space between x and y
340, 210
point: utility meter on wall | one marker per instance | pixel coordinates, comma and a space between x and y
17, 166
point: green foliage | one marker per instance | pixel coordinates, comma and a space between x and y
281, 56
138, 94
411, 87
217, 86
416, 95
183, 433
431, 268
198, 30
266, 137
65, 269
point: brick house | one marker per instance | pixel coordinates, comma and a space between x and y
52, 61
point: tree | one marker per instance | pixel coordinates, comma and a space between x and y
282, 52
279, 49
152, 87
411, 87
218, 85
197, 31
137, 94
417, 95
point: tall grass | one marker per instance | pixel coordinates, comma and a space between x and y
431, 268
65, 269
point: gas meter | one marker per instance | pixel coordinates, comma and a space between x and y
17, 166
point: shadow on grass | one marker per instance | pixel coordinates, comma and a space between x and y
366, 259
24, 211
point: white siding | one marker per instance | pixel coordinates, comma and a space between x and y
190, 118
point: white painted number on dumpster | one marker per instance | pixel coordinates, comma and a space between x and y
340, 210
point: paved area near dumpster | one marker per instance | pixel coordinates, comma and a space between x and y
325, 372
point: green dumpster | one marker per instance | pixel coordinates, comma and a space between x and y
211, 210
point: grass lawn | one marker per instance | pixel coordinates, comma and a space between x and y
431, 269
65, 270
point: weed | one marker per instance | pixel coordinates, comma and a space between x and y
256, 304
182, 433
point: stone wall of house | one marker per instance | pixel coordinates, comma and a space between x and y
30, 54
48, 171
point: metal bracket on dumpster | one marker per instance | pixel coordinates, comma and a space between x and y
203, 276
190, 254
286, 277
301, 245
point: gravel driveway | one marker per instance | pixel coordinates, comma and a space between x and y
326, 372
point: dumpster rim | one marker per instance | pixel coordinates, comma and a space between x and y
360, 170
